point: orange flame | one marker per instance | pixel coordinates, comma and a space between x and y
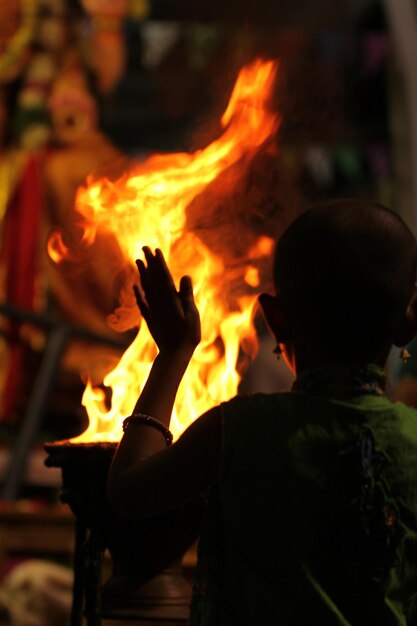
57, 249
148, 207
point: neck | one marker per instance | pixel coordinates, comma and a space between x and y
310, 358
342, 381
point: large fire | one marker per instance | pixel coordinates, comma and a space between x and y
148, 206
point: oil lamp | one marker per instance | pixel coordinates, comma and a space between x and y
146, 581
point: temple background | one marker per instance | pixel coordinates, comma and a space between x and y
95, 86
91, 86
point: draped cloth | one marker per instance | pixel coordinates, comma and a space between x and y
19, 272
315, 519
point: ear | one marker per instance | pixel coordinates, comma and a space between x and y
408, 329
275, 317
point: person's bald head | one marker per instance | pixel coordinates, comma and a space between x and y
345, 271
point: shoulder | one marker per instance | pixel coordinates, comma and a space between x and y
395, 420
245, 408
405, 411
406, 422
246, 419
245, 403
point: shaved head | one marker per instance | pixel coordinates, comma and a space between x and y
345, 271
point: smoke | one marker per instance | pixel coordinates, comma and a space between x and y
244, 203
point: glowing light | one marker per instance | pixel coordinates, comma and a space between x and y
148, 207
57, 250
252, 276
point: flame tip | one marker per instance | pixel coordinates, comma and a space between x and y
164, 186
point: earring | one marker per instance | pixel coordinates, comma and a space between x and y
277, 351
405, 355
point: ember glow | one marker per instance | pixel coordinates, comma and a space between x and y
148, 206
57, 249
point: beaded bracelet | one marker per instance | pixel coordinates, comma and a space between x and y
148, 420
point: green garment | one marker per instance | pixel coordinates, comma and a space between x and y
315, 517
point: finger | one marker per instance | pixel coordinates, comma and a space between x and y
141, 267
148, 254
158, 280
143, 274
190, 309
186, 287
163, 269
141, 302
186, 295
150, 260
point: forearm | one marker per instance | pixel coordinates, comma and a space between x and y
141, 441
158, 395
156, 399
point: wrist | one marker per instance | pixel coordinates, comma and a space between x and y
175, 355
158, 395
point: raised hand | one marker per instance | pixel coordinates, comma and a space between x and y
172, 316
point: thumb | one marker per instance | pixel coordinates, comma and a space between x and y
189, 306
186, 293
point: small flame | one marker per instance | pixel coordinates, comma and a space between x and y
263, 247
252, 276
57, 249
148, 207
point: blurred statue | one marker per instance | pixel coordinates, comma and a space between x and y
49, 141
